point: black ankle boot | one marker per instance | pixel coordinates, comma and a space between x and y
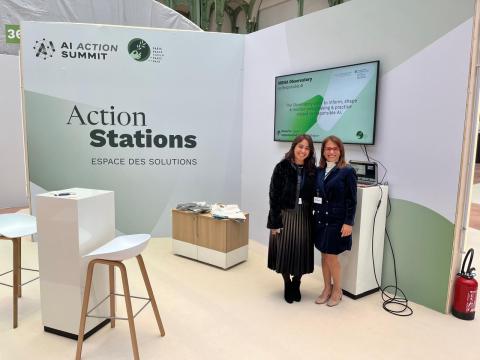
288, 292
296, 295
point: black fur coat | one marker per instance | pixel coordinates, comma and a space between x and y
283, 191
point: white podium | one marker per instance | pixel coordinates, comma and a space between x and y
357, 268
70, 226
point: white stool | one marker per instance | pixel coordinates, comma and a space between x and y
14, 227
112, 254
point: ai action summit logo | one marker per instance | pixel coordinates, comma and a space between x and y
139, 49
44, 49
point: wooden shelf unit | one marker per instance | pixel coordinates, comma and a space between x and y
220, 242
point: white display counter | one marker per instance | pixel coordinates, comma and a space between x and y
70, 226
357, 268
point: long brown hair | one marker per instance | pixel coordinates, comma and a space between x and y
310, 160
341, 161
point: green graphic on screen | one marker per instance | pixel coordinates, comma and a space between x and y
302, 116
339, 101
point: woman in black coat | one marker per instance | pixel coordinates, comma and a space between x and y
290, 249
335, 200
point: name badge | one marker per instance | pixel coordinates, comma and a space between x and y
317, 200
299, 201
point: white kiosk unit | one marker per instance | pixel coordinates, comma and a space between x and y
357, 268
72, 223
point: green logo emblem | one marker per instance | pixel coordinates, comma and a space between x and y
360, 134
138, 49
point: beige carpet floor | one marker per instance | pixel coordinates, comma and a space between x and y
210, 313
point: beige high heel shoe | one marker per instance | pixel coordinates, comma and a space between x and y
323, 298
334, 302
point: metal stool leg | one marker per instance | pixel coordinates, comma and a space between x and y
16, 280
141, 264
128, 303
83, 316
111, 276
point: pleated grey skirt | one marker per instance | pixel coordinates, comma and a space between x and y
291, 251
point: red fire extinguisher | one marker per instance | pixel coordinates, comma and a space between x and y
465, 291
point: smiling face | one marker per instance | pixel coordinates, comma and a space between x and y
331, 151
301, 152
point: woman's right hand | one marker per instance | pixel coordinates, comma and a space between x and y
275, 231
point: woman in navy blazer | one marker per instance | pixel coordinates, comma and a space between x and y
335, 200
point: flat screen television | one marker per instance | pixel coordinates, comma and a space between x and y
339, 101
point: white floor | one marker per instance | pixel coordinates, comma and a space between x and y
475, 195
209, 313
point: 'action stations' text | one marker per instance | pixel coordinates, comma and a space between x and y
144, 138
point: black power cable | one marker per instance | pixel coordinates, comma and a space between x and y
369, 158
365, 151
398, 300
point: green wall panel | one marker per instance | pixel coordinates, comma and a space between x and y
422, 241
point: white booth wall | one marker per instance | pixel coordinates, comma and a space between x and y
13, 187
184, 100
424, 63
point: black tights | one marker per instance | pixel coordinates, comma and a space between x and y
286, 277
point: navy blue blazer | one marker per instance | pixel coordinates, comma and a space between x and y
336, 201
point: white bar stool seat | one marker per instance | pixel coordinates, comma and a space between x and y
17, 225
121, 248
112, 254
13, 227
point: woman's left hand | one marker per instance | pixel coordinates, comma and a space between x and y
346, 230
